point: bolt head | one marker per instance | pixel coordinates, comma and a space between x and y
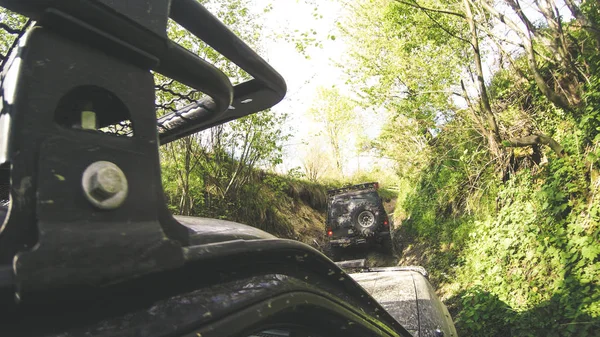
104, 185
106, 182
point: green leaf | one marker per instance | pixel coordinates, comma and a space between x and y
590, 252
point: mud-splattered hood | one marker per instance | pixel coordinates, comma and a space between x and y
410, 299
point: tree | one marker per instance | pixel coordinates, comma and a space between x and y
336, 113
315, 160
401, 60
238, 149
180, 161
440, 28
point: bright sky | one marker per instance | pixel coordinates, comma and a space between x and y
303, 76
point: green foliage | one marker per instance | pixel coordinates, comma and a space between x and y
538, 256
531, 267
382, 173
210, 174
590, 121
513, 233
517, 256
401, 61
286, 207
283, 206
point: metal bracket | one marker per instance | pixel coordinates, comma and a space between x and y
81, 72
75, 242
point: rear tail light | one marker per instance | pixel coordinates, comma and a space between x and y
386, 222
329, 232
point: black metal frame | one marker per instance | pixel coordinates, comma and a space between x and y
71, 48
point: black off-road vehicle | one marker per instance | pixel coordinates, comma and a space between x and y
87, 244
356, 217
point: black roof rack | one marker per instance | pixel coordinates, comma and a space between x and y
358, 187
142, 40
79, 98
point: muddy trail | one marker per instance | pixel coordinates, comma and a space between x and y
375, 256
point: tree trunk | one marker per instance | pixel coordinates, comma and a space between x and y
554, 97
558, 42
185, 209
494, 136
477, 121
587, 24
557, 99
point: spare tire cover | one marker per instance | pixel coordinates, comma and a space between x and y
366, 218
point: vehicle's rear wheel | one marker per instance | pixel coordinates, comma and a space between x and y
366, 218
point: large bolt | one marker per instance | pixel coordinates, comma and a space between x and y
104, 185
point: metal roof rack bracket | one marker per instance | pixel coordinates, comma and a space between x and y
102, 217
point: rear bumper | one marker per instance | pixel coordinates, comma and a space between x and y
347, 242
351, 241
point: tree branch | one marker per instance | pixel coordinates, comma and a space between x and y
514, 4
535, 139
416, 5
583, 20
419, 93
503, 18
508, 57
444, 28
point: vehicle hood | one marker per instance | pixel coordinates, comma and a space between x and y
410, 299
207, 230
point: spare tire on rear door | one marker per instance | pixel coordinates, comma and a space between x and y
366, 218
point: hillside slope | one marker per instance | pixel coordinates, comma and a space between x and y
524, 261
285, 207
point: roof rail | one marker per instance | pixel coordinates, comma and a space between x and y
358, 187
